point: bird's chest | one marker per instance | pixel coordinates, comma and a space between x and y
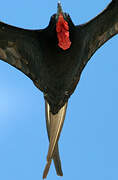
57, 77
58, 72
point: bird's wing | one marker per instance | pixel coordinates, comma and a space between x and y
100, 29
19, 48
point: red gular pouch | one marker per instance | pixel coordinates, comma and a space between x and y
62, 29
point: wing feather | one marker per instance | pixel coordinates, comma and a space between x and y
100, 29
20, 48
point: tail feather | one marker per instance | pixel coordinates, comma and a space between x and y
54, 126
57, 161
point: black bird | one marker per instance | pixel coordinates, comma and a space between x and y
53, 58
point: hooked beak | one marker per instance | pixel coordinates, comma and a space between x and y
59, 10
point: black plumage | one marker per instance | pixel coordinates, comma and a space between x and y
53, 70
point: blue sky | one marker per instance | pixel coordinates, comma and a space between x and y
89, 139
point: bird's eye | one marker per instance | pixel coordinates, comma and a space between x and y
66, 14
53, 16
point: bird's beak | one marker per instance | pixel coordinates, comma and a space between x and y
59, 10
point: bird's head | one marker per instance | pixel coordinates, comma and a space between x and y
62, 24
62, 28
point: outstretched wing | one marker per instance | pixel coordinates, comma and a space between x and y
101, 28
20, 48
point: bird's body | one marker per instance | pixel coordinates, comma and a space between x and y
58, 75
53, 58
59, 69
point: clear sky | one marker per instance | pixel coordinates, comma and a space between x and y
89, 140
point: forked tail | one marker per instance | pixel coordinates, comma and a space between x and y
54, 124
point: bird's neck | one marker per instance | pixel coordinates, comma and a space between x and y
63, 35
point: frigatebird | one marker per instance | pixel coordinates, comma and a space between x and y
53, 58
